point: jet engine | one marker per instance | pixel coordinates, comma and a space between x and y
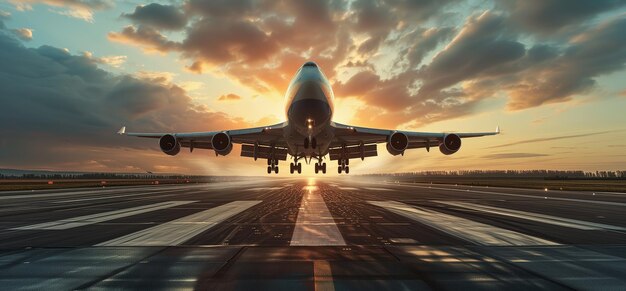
397, 143
169, 145
451, 144
222, 145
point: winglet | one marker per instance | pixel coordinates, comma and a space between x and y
122, 130
497, 129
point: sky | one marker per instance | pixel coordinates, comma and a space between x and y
550, 73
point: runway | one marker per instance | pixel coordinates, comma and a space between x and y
312, 234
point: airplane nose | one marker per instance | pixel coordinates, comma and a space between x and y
309, 112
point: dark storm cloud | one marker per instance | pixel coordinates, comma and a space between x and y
546, 16
59, 107
158, 16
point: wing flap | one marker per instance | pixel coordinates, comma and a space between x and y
263, 152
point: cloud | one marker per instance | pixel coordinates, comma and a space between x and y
513, 156
82, 9
68, 110
410, 62
536, 140
158, 16
554, 15
149, 38
113, 61
229, 97
25, 34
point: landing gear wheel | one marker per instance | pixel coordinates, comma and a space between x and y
324, 168
346, 162
317, 169
299, 168
269, 169
291, 168
339, 169
269, 162
276, 169
347, 169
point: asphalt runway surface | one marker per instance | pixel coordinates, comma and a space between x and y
312, 234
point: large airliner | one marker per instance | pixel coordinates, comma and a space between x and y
309, 133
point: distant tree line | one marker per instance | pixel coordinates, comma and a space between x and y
545, 174
97, 176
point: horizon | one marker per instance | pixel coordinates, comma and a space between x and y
553, 84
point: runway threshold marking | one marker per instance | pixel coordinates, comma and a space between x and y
543, 218
519, 195
476, 232
323, 276
178, 231
315, 226
100, 217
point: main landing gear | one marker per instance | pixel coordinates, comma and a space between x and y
295, 167
272, 165
319, 166
343, 166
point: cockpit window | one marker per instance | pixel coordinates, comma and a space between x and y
310, 64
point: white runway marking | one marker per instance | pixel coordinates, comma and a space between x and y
101, 217
315, 225
543, 218
520, 195
348, 188
476, 232
180, 230
377, 189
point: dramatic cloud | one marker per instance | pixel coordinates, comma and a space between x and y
513, 156
82, 9
536, 140
68, 109
547, 16
25, 34
145, 36
158, 16
229, 97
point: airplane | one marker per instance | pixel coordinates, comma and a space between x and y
308, 133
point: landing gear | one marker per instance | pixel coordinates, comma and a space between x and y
320, 167
293, 167
343, 166
272, 165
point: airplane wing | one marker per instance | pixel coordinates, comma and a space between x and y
257, 142
360, 142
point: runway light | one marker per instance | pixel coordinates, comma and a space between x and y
545, 189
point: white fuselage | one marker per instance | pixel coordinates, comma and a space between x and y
309, 110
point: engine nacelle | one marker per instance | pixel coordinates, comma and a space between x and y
222, 144
451, 144
169, 145
397, 143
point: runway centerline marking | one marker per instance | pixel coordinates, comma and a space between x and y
315, 226
543, 218
476, 232
178, 231
323, 276
519, 195
100, 217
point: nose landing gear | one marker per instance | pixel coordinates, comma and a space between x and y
310, 141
